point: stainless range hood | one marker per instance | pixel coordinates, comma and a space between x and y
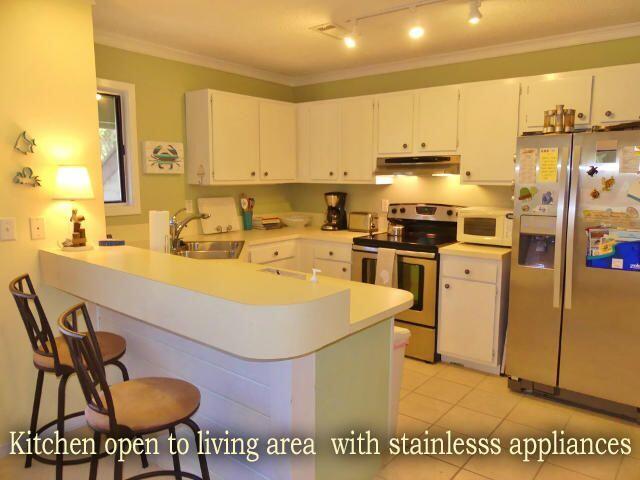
427, 165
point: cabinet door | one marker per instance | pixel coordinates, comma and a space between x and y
333, 269
488, 132
236, 137
277, 141
324, 140
545, 93
467, 323
395, 123
436, 119
616, 96
356, 139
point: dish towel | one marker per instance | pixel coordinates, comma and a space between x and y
385, 267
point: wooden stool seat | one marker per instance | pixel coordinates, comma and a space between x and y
112, 347
148, 405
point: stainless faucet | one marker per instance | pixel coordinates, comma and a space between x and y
176, 227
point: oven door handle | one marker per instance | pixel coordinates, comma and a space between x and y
404, 253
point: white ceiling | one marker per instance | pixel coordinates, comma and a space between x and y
272, 38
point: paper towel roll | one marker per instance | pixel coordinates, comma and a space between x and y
158, 229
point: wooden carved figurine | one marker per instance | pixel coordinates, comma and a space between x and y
79, 238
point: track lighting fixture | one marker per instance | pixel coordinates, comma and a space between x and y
350, 40
416, 31
475, 15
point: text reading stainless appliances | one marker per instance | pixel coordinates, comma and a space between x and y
426, 228
575, 276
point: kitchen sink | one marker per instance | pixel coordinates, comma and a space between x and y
210, 250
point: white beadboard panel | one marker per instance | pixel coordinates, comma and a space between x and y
118, 323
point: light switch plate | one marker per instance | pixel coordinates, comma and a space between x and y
37, 228
7, 228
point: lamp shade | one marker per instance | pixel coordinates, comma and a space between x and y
72, 183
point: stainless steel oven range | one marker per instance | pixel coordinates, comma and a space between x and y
426, 228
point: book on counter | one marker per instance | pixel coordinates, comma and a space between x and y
266, 223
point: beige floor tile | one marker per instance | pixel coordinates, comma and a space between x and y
423, 408
468, 422
428, 369
491, 403
412, 427
412, 379
506, 466
584, 422
443, 390
438, 432
541, 414
600, 467
404, 392
494, 383
553, 472
462, 375
630, 469
467, 475
418, 468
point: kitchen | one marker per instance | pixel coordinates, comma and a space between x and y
389, 163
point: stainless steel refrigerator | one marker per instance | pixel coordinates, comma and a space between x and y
574, 307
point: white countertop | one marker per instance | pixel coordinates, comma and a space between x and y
227, 304
255, 236
472, 250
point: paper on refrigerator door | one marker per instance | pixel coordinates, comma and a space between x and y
527, 165
548, 167
630, 159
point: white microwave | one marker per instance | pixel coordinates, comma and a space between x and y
485, 225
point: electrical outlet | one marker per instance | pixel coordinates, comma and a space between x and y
384, 205
188, 204
7, 228
37, 228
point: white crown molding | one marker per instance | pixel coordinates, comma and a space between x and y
544, 43
155, 50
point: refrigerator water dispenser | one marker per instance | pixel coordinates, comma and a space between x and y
537, 241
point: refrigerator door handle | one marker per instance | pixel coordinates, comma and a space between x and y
560, 218
571, 226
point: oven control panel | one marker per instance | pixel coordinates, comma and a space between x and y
423, 211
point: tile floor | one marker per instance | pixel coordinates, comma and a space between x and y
445, 397
439, 398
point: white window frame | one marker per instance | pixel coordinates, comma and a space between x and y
127, 93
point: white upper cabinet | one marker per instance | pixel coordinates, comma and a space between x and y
488, 131
277, 141
544, 93
395, 124
616, 95
436, 120
356, 139
324, 141
236, 137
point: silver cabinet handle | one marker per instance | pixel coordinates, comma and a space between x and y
571, 226
558, 266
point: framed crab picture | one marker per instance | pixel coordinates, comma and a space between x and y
163, 157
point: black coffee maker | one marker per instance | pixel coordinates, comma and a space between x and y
336, 212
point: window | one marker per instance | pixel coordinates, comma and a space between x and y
118, 147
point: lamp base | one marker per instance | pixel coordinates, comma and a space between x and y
84, 248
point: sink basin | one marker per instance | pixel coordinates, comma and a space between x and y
210, 250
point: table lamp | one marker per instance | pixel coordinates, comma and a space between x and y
73, 183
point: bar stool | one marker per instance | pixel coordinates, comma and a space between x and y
51, 355
131, 408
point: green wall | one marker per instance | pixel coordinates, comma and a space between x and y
161, 84
160, 88
602, 54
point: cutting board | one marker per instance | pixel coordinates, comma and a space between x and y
222, 214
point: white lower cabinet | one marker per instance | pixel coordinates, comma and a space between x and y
333, 269
278, 254
473, 305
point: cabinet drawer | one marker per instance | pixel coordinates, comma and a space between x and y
478, 270
274, 251
333, 269
338, 253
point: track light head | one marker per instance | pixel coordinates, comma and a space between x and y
416, 31
475, 15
